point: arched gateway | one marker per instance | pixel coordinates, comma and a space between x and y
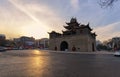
63, 46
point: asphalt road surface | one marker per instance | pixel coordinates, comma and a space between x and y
36, 63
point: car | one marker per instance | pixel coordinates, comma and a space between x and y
15, 48
117, 53
2, 49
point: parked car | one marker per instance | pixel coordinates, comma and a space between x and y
117, 53
2, 49
15, 48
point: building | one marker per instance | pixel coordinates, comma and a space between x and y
25, 42
115, 43
17, 42
42, 43
77, 37
2, 39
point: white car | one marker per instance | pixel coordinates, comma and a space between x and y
117, 53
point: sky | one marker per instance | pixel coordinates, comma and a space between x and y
35, 18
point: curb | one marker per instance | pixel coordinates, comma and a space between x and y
97, 52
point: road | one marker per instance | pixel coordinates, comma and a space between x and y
37, 63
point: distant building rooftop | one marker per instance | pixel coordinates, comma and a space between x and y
2, 35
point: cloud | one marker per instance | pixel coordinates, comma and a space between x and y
38, 12
10, 22
36, 19
108, 31
20, 7
10, 33
75, 4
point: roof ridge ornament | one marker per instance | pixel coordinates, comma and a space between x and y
88, 24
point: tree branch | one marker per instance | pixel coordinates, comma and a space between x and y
107, 3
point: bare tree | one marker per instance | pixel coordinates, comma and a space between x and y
107, 3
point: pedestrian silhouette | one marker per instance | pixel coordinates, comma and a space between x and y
73, 48
55, 48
